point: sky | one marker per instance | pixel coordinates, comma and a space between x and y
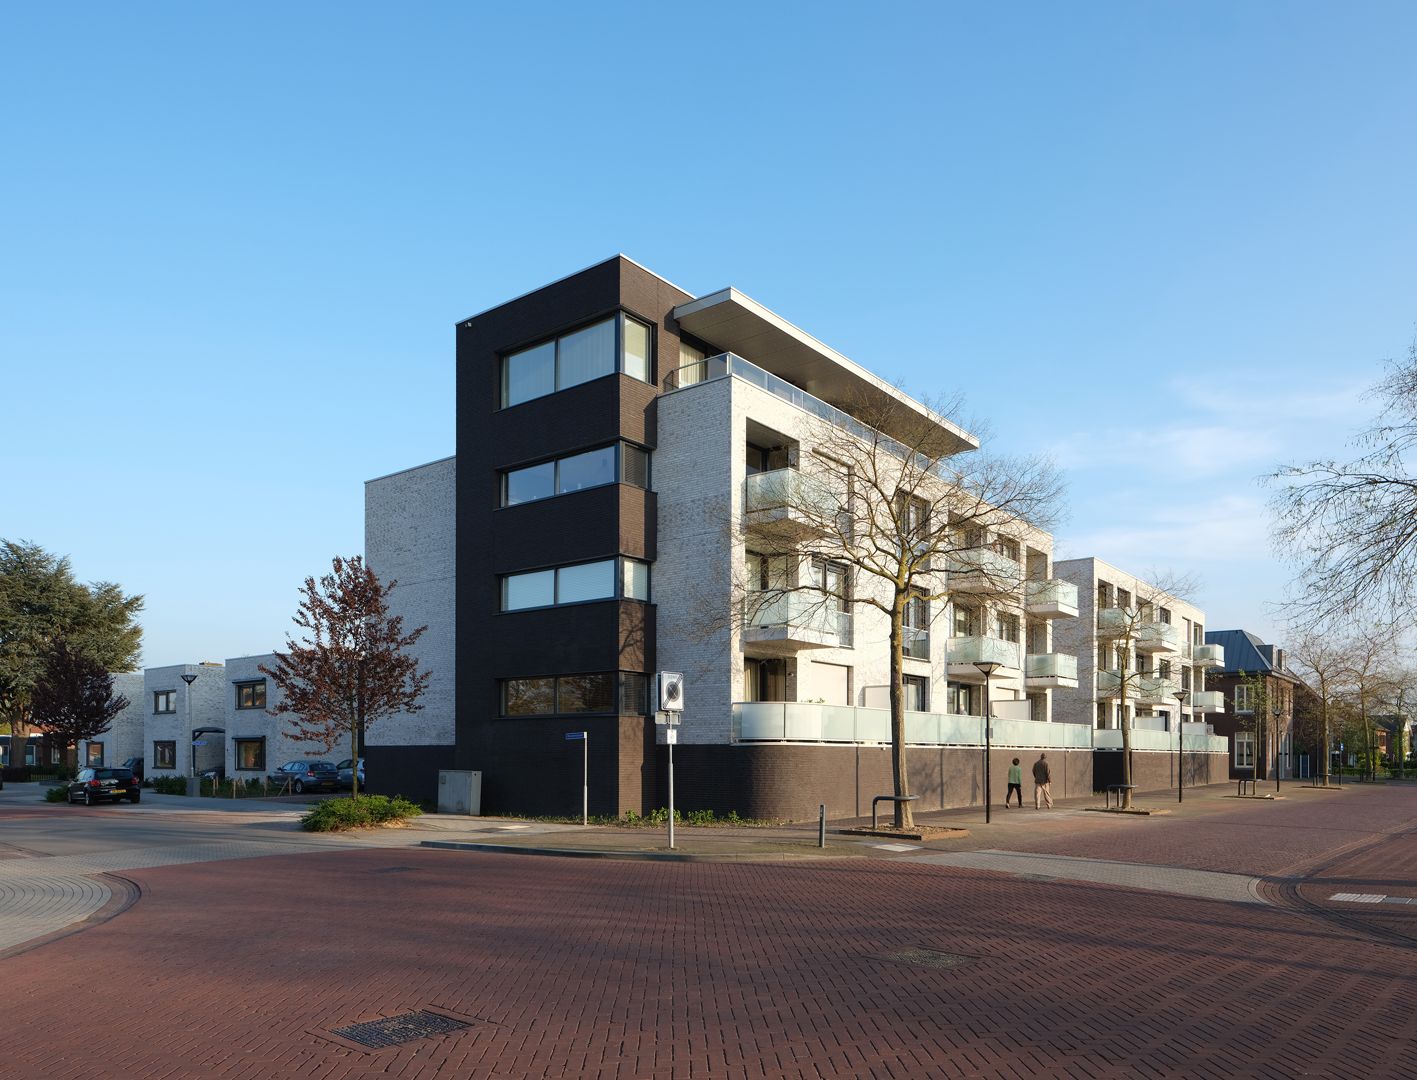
1169, 244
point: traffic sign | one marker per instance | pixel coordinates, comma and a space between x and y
571, 736
199, 742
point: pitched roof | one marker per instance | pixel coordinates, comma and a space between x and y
1245, 652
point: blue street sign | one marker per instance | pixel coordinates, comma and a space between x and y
572, 736
199, 742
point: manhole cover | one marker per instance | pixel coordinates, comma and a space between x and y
397, 1030
932, 958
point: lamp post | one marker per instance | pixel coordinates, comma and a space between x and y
189, 677
1180, 696
988, 667
1277, 712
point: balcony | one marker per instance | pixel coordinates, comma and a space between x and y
1208, 701
1111, 739
1052, 599
1154, 690
965, 652
982, 570
788, 502
1115, 621
1208, 656
1159, 637
794, 721
780, 623
1051, 671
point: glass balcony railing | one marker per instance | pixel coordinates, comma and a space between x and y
1159, 637
1208, 701
793, 721
1052, 596
978, 650
804, 612
789, 489
982, 566
1051, 666
916, 643
1208, 655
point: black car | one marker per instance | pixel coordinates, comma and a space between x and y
303, 776
97, 783
136, 764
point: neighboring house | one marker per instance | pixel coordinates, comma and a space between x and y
184, 723
409, 539
124, 738
1127, 627
1253, 680
257, 742
610, 427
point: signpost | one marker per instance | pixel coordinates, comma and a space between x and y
583, 738
669, 713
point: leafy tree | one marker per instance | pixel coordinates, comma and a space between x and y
1351, 526
892, 523
350, 667
41, 605
74, 699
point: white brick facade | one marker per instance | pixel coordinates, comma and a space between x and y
203, 707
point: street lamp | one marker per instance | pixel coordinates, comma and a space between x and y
1278, 712
189, 677
988, 667
1180, 696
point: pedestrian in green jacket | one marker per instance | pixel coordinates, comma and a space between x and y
1015, 784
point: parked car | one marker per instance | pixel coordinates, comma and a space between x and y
303, 776
136, 765
216, 773
346, 773
96, 784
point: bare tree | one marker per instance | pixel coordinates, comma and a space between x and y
1369, 680
1351, 526
1125, 626
885, 511
351, 667
1324, 658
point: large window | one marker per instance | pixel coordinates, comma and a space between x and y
594, 468
618, 343
251, 695
608, 579
93, 753
916, 689
251, 755
1242, 699
165, 755
1244, 749
564, 695
165, 701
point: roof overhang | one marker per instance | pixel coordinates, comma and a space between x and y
739, 324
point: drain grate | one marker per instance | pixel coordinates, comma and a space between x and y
397, 1030
922, 957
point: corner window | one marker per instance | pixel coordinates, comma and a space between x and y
164, 701
93, 754
251, 695
251, 755
592, 468
567, 695
618, 343
577, 584
165, 755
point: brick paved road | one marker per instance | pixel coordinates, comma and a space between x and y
576, 969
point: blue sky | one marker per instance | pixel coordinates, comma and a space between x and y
1168, 243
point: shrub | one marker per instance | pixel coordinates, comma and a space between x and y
361, 812
170, 785
57, 794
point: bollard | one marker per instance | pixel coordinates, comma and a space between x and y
822, 825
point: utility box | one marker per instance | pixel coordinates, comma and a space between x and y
459, 792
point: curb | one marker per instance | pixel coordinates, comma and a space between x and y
624, 856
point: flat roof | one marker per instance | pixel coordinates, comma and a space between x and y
739, 324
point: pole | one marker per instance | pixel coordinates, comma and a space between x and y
822, 825
585, 778
988, 740
669, 734
1277, 713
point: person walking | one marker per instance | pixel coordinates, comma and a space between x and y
1042, 778
1015, 785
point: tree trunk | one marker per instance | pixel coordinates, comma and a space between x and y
1323, 716
1123, 677
904, 816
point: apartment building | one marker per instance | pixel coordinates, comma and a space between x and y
1258, 693
633, 465
1138, 648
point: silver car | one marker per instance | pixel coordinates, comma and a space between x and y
346, 773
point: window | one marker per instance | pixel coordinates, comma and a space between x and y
764, 680
165, 755
576, 472
966, 620
618, 343
576, 584
1104, 595
31, 754
917, 692
1242, 699
917, 627
1163, 668
251, 695
165, 701
1185, 678
56, 756
1244, 749
593, 692
1037, 708
93, 754
1166, 616
1102, 714
1102, 658
1124, 598
251, 755
1009, 549
958, 697
692, 368
1008, 626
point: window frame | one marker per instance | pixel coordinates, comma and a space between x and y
618, 366
619, 447
622, 684
618, 563
158, 746
237, 743
89, 760
249, 684
171, 700
1245, 740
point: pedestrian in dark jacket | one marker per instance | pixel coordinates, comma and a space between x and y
1042, 778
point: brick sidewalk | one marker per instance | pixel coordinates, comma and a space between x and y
576, 969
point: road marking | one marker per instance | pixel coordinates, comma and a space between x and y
1358, 898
